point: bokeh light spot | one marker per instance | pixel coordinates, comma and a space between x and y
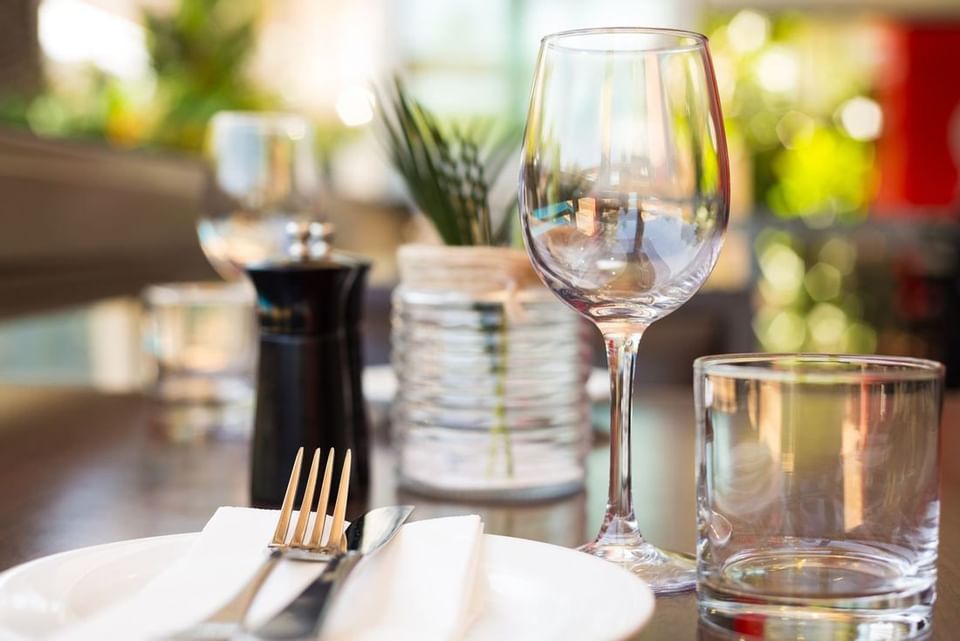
861, 118
748, 31
777, 70
355, 106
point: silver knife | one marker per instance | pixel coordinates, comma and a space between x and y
303, 617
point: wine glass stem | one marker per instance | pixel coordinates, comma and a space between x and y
619, 523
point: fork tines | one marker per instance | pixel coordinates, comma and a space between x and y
334, 538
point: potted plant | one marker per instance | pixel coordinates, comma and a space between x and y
491, 368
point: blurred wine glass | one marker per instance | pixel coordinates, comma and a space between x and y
263, 192
624, 198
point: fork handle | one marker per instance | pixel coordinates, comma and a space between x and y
236, 609
303, 617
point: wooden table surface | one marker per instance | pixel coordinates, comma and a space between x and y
78, 467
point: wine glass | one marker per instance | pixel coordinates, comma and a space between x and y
624, 198
263, 192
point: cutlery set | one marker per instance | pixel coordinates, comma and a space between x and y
341, 551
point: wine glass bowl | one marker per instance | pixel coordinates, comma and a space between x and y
624, 200
624, 258
262, 198
624, 190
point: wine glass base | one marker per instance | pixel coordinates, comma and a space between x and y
665, 572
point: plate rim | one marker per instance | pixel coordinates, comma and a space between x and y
86, 549
648, 605
649, 600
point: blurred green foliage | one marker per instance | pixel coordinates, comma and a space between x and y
823, 173
94, 106
782, 80
812, 294
199, 55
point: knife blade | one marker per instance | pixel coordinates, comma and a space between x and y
303, 617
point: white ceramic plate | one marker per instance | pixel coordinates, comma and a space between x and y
536, 591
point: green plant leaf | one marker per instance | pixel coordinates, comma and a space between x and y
447, 169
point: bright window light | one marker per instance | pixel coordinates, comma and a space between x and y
72, 31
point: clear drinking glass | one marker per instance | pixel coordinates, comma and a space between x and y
202, 337
817, 493
624, 197
200, 340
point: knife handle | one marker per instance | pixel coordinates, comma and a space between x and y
303, 617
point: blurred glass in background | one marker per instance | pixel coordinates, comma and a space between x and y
200, 349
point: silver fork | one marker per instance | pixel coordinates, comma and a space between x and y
227, 622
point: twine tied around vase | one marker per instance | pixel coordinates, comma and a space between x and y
499, 272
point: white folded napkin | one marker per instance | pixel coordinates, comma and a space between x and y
426, 584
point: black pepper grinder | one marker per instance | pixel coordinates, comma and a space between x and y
308, 385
